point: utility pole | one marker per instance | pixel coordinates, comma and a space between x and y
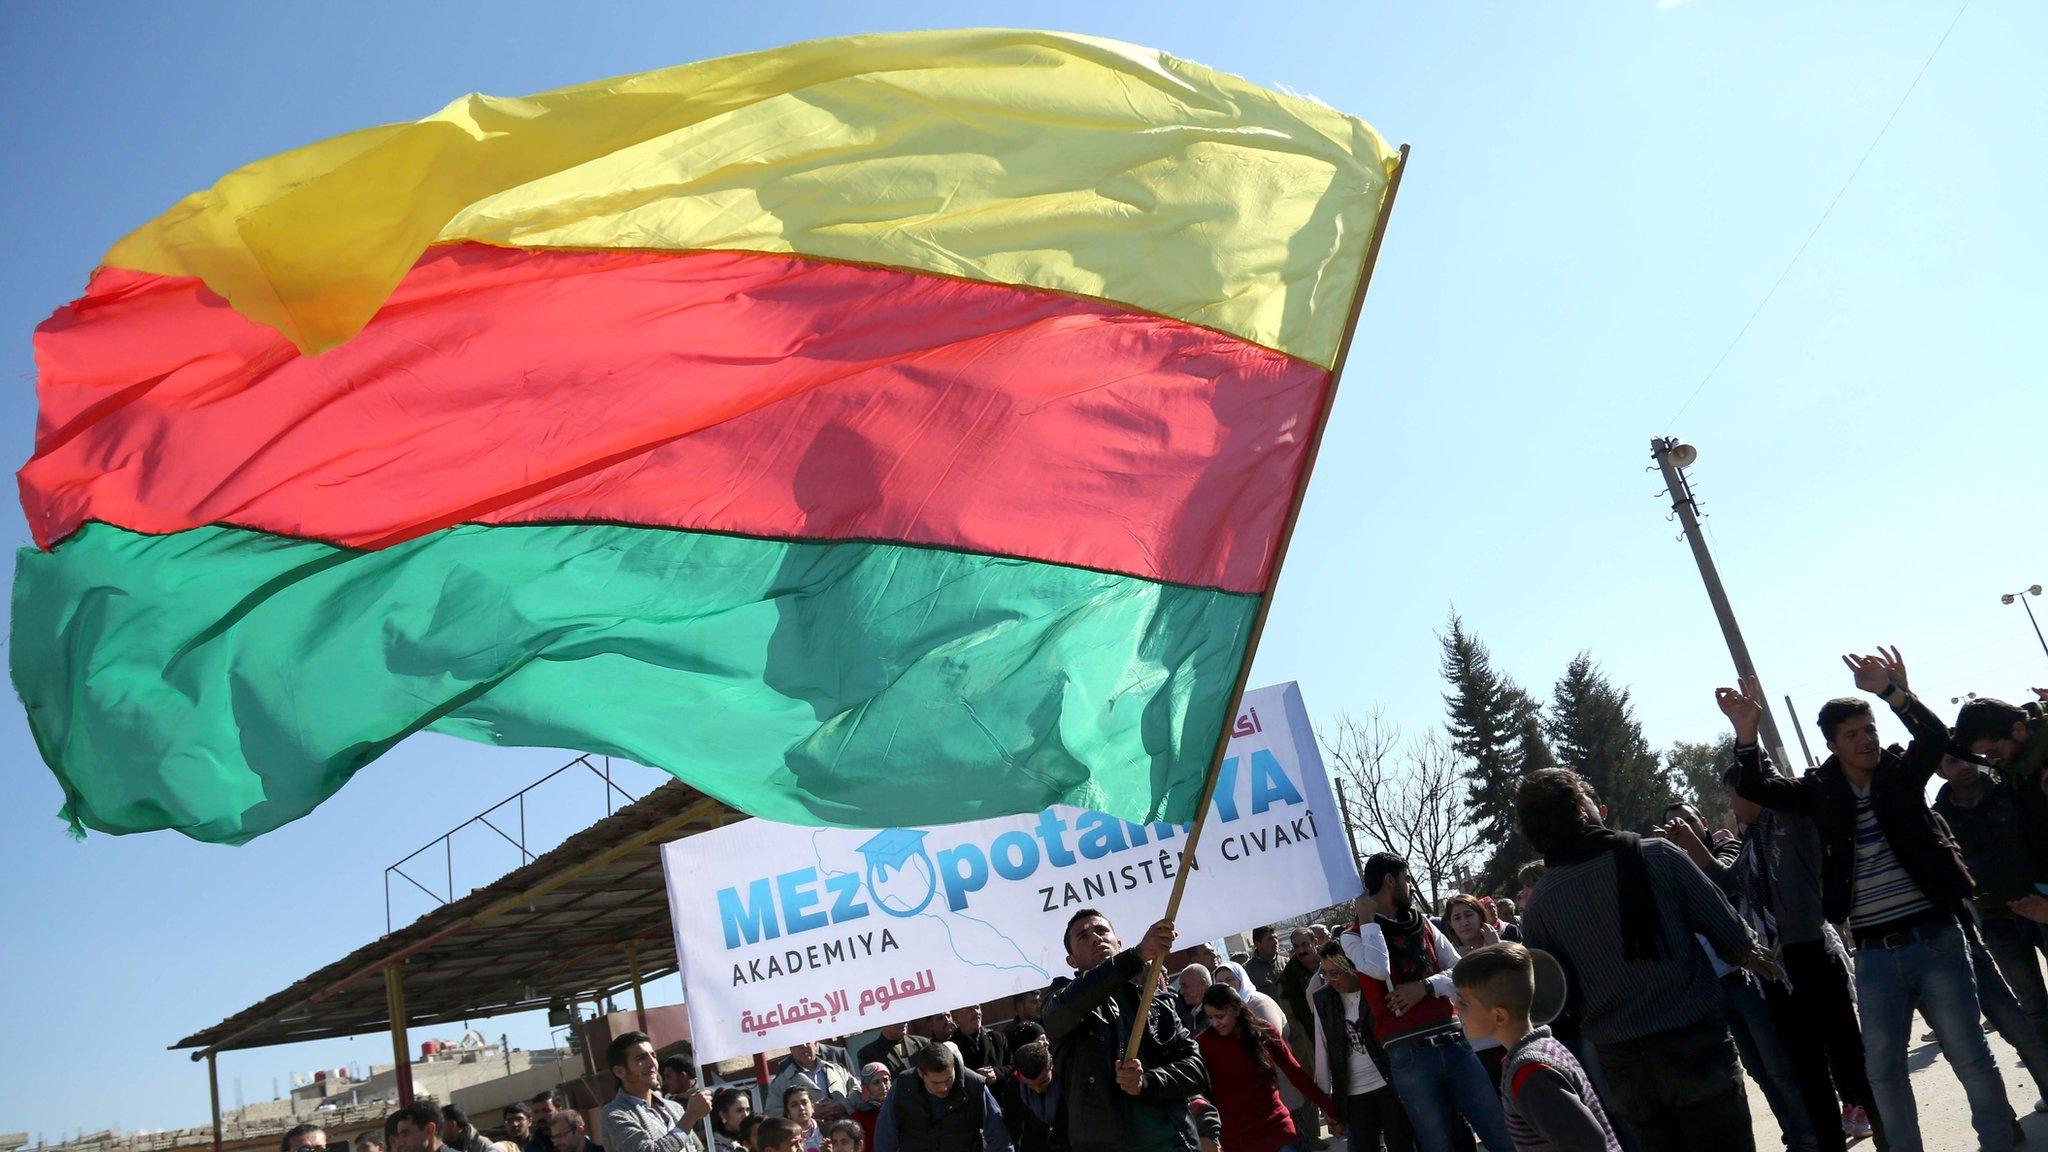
1673, 458
1800, 732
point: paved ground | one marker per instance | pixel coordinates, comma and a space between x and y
1944, 1114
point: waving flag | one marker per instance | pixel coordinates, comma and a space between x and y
881, 431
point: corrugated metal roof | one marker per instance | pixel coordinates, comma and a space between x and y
545, 932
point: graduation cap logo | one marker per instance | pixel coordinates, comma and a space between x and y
901, 880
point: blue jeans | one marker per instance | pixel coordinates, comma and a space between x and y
2003, 1012
2018, 944
1932, 971
1756, 1039
1436, 1081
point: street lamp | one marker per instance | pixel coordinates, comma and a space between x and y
2021, 596
1673, 457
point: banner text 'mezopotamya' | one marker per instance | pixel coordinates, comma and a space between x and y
804, 900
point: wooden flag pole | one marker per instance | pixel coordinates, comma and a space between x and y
1308, 467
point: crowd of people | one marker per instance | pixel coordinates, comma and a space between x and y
1614, 1003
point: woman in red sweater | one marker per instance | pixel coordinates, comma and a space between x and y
1243, 1053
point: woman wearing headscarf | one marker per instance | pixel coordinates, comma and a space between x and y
1264, 1007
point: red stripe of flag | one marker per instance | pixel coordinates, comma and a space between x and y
756, 394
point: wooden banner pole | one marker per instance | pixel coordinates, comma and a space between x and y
1308, 467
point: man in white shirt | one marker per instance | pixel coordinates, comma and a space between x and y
1403, 963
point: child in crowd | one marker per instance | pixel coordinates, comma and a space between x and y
1549, 1099
845, 1136
802, 1112
778, 1135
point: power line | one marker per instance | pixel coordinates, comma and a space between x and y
1744, 331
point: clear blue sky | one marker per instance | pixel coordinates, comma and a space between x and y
1600, 194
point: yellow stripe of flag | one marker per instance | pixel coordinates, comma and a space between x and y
1061, 162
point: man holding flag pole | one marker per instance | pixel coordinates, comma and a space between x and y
1139, 1102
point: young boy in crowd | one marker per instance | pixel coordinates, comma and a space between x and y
845, 1136
778, 1135
1548, 1098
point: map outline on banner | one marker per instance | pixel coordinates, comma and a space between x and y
942, 921
767, 915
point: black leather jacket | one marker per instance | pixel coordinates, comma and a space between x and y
1999, 834
1898, 796
1085, 1021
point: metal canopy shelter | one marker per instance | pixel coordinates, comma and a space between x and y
588, 918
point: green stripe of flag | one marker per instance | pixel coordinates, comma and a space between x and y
223, 682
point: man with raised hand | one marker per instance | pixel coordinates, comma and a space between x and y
1777, 893
1890, 870
1113, 1104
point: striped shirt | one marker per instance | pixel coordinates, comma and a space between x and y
1885, 895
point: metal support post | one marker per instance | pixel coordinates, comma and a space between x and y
401, 1052
639, 1000
213, 1085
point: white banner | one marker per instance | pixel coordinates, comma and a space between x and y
789, 933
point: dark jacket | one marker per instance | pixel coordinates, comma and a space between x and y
987, 1048
2001, 841
1293, 982
896, 1056
925, 1123
1040, 1123
839, 1056
1265, 974
2026, 772
1898, 796
1085, 1019
1018, 1033
1329, 1005
1035, 1122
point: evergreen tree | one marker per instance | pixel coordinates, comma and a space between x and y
1496, 728
1593, 730
1696, 769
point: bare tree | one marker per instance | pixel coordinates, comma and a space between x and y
1407, 795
